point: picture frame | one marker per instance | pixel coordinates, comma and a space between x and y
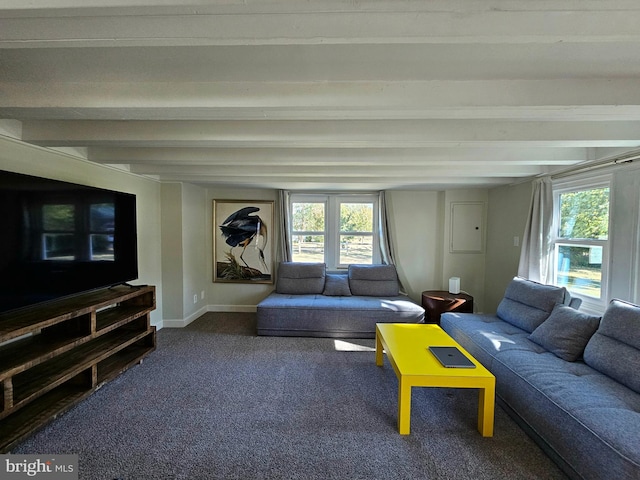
243, 241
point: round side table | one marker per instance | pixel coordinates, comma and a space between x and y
437, 302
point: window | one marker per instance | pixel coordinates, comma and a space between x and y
335, 229
77, 231
58, 225
101, 224
581, 226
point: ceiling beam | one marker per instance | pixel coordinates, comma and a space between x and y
342, 183
387, 171
331, 134
363, 157
281, 23
559, 99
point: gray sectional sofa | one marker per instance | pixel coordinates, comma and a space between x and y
310, 302
571, 380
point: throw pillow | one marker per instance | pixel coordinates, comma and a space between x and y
566, 332
336, 285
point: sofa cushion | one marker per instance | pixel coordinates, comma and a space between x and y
615, 347
374, 280
332, 316
300, 278
566, 332
484, 335
586, 418
526, 304
336, 285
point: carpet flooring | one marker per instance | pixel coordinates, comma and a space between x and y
215, 401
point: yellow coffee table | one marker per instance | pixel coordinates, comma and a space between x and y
407, 348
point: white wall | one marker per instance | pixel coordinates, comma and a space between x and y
195, 252
184, 252
417, 229
20, 157
172, 261
507, 215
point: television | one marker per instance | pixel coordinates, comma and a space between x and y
59, 239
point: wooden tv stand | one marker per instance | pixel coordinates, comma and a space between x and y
70, 348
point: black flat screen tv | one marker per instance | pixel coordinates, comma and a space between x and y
59, 239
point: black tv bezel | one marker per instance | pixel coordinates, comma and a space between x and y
124, 271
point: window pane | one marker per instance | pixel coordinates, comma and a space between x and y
58, 246
585, 214
58, 217
356, 249
579, 269
102, 217
307, 248
356, 217
308, 217
101, 247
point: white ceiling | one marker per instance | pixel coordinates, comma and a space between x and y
326, 94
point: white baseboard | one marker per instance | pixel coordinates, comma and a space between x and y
159, 325
180, 323
231, 308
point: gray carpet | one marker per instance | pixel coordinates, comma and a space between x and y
216, 402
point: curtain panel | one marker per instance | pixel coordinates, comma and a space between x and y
535, 256
284, 245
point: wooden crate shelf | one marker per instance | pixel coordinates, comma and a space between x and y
67, 353
19, 425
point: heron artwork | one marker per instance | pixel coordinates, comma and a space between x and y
240, 229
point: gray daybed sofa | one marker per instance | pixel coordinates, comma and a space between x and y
310, 302
571, 380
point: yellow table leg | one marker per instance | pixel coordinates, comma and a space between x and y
486, 409
379, 351
404, 406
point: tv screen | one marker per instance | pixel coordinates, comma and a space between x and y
59, 239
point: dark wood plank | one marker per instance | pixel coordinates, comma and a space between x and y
16, 324
115, 317
23, 354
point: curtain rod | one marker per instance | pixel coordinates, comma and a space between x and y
627, 157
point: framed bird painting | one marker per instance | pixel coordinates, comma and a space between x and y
243, 241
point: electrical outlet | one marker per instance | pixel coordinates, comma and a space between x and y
202, 295
516, 241
195, 299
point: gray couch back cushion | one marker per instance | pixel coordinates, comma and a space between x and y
300, 278
615, 347
374, 280
526, 304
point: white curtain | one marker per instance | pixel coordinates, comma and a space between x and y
535, 256
384, 232
386, 249
284, 246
